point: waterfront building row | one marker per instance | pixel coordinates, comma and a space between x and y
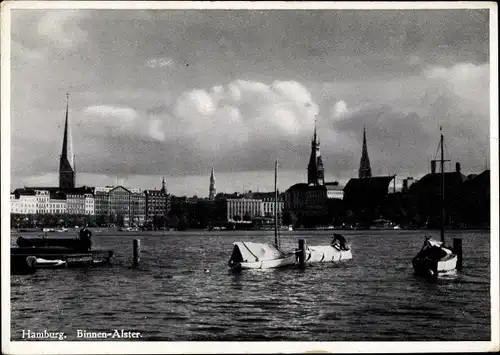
133, 206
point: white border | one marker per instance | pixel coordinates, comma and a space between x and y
20, 347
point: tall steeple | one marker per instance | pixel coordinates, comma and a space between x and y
364, 166
211, 189
163, 186
315, 170
66, 162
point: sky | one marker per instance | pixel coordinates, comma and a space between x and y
172, 93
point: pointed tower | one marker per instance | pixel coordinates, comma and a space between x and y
66, 163
365, 170
211, 189
163, 186
315, 170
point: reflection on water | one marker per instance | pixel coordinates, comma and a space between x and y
171, 296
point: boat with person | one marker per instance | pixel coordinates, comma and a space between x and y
42, 252
435, 258
337, 251
251, 255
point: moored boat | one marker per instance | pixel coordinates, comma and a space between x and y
42, 252
249, 255
327, 253
435, 258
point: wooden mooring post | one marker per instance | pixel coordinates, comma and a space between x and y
136, 252
302, 253
457, 249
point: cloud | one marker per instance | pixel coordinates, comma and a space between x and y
339, 109
402, 118
155, 129
244, 110
160, 62
122, 113
24, 54
467, 84
61, 28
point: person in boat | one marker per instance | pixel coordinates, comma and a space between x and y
430, 251
339, 240
85, 238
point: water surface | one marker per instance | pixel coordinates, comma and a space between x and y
183, 291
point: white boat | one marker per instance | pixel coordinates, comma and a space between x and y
327, 253
249, 255
435, 258
44, 263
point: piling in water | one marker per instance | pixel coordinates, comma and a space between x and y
136, 252
457, 249
302, 253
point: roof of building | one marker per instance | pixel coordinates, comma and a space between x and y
478, 179
333, 186
24, 192
53, 189
374, 183
305, 187
448, 176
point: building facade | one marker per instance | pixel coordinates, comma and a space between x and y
24, 202
311, 205
76, 203
138, 207
120, 205
243, 209
101, 201
42, 201
157, 203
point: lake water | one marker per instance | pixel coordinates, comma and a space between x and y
170, 297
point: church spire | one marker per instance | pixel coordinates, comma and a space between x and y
364, 165
211, 189
67, 148
163, 186
315, 170
66, 162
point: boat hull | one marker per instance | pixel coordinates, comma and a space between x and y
27, 260
326, 254
434, 268
250, 255
267, 264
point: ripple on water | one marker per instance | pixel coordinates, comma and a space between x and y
170, 297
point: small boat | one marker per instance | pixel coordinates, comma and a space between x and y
41, 263
337, 251
31, 254
327, 253
435, 258
249, 255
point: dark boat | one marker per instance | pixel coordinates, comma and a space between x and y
435, 258
41, 252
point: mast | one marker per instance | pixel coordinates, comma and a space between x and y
442, 187
276, 237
